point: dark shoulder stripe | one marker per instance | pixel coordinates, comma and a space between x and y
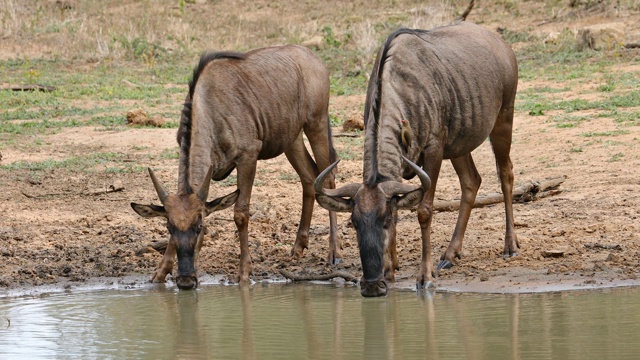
372, 104
205, 59
185, 128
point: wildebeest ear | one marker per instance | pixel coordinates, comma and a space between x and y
335, 203
149, 211
409, 199
222, 202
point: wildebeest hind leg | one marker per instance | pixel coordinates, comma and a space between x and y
306, 168
469, 184
501, 143
322, 146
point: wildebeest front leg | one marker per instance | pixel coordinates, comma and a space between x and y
166, 264
469, 184
425, 215
391, 253
246, 175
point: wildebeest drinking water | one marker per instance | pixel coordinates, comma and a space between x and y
432, 95
242, 108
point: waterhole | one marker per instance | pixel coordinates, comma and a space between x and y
319, 321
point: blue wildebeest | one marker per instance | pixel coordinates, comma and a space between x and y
432, 95
243, 107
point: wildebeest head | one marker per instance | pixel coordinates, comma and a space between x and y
185, 213
373, 207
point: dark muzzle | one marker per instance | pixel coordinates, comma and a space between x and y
187, 282
373, 288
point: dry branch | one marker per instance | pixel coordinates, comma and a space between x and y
29, 87
524, 193
604, 246
110, 189
159, 246
318, 277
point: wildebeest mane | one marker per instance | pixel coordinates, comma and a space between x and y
184, 131
372, 104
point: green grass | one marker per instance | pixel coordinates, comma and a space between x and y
604, 133
109, 162
149, 66
569, 121
170, 153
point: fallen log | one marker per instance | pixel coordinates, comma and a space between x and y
318, 277
524, 193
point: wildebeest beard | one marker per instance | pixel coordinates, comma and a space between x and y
371, 243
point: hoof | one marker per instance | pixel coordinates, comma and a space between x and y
335, 261
506, 256
444, 264
428, 285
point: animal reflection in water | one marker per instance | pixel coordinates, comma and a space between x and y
242, 108
432, 95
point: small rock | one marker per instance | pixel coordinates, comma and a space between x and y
139, 117
613, 258
552, 253
601, 36
354, 123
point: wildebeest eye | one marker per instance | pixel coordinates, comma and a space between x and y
199, 228
388, 219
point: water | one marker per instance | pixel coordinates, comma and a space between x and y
319, 321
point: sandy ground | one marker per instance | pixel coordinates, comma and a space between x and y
58, 230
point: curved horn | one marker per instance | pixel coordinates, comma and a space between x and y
162, 193
424, 178
203, 193
348, 190
317, 185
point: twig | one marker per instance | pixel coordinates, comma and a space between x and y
632, 45
346, 135
130, 84
41, 195
317, 277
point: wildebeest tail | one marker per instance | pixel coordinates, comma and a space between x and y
466, 12
333, 156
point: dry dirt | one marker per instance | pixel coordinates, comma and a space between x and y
59, 229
